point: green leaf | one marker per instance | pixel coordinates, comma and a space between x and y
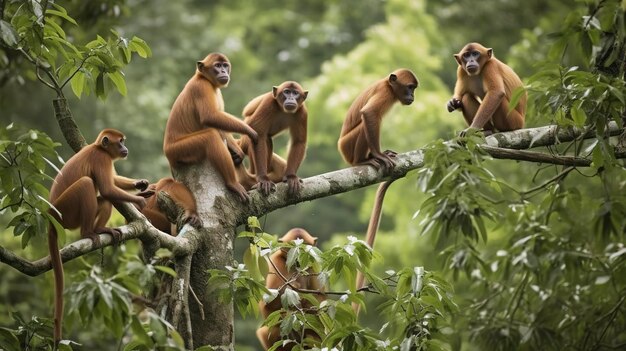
78, 83
166, 270
139, 45
8, 34
118, 80
578, 116
63, 15
8, 341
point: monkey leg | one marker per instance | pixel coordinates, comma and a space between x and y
353, 146
470, 108
262, 334
206, 144
276, 168
503, 120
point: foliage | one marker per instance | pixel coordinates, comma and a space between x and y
35, 31
24, 156
416, 302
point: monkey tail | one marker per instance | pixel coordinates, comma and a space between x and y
57, 268
372, 229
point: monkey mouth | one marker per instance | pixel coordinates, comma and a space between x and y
290, 107
472, 69
223, 79
407, 101
124, 154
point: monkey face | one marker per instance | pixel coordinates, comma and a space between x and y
472, 58
403, 86
221, 71
112, 142
289, 96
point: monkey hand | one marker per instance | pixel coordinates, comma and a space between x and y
294, 184
265, 185
146, 193
468, 131
141, 184
454, 104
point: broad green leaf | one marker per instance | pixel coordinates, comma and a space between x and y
118, 80
78, 83
60, 14
8, 34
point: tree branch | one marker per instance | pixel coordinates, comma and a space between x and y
137, 228
348, 179
533, 156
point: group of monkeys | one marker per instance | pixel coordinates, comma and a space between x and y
199, 129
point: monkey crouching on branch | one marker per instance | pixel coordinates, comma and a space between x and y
359, 142
197, 128
83, 194
483, 91
181, 195
280, 277
269, 114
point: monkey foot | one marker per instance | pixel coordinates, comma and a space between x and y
115, 233
193, 220
240, 191
265, 186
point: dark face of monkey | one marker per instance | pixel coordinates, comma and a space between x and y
113, 143
216, 68
289, 96
403, 87
472, 58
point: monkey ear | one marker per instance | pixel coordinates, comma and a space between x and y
489, 52
274, 91
200, 65
105, 141
393, 77
305, 94
457, 57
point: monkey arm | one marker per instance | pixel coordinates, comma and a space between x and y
495, 93
261, 151
371, 125
297, 145
129, 183
108, 190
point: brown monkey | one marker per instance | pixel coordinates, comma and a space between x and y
198, 127
83, 193
278, 273
270, 114
483, 90
359, 143
181, 196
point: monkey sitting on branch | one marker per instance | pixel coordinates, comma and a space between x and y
483, 91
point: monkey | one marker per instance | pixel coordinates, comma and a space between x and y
359, 142
181, 196
279, 277
483, 91
82, 195
198, 126
269, 114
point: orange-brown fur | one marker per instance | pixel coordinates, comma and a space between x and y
266, 335
198, 127
483, 91
181, 195
359, 142
269, 114
83, 193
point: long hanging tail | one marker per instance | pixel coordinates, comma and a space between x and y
372, 229
57, 268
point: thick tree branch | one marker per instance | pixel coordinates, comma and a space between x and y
137, 228
361, 176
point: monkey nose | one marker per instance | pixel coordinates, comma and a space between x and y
124, 153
